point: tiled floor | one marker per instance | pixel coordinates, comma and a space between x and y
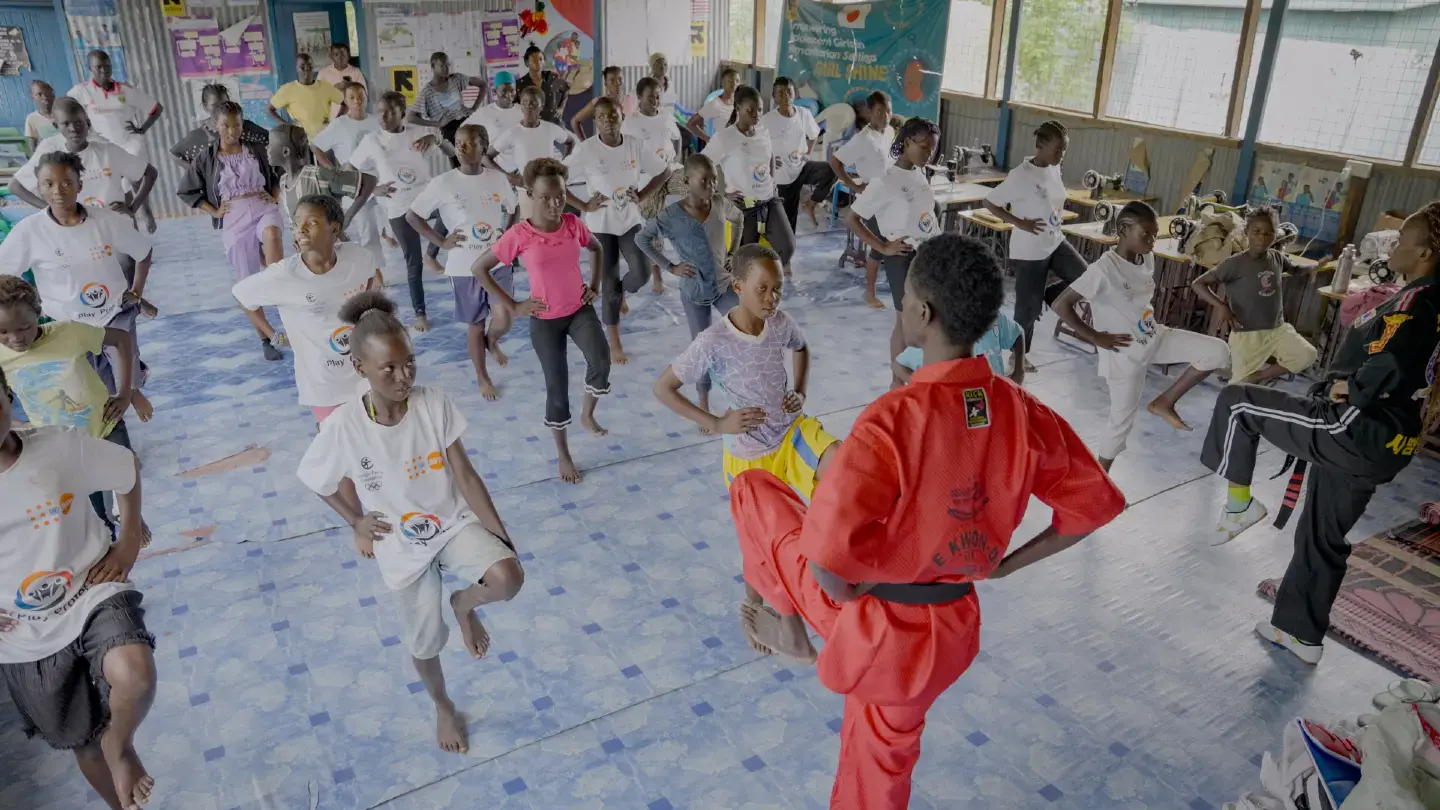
1120, 675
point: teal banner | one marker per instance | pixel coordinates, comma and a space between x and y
837, 53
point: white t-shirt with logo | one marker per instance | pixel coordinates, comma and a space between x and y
519, 145
110, 112
868, 153
1120, 295
108, 169
612, 171
392, 158
717, 110
903, 203
342, 136
400, 471
1033, 193
746, 160
791, 139
656, 132
77, 269
309, 306
668, 100
495, 119
481, 204
50, 537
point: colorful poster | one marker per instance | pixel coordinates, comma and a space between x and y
97, 33
13, 57
405, 79
198, 53
395, 34
500, 37
698, 38
312, 35
172, 8
837, 53
242, 48
1311, 198
565, 31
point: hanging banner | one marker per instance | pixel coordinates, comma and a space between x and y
395, 33
500, 36
837, 53
242, 48
197, 47
1309, 197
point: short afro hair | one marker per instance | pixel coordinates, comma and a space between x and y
372, 314
746, 256
545, 167
329, 205
959, 277
17, 292
69, 160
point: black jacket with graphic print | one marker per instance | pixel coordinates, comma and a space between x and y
1389, 353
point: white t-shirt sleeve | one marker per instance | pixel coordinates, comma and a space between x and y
713, 109
811, 126
15, 250
26, 175
560, 134
449, 419
651, 163
129, 166
428, 199
1006, 193
126, 238
254, 291
141, 101
794, 338
718, 147
851, 150
870, 201
1091, 283
104, 466
579, 160
322, 468
502, 140
329, 137
364, 156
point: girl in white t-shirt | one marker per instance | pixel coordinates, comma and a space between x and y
1120, 287
391, 463
511, 150
793, 131
901, 205
861, 159
397, 155
717, 111
1032, 199
611, 165
746, 158
615, 91
308, 289
334, 146
480, 205
658, 131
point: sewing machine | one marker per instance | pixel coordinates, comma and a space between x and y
1194, 204
1109, 214
1096, 183
1381, 273
1183, 228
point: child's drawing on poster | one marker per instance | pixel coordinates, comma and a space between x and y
1309, 197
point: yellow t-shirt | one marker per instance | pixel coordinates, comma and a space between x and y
308, 104
55, 381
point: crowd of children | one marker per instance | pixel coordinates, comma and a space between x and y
878, 533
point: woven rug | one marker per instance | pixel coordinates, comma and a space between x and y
1389, 604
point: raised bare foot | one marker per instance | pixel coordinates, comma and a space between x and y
1167, 412
1030, 367
767, 630
873, 302
809, 208
618, 357
568, 473
488, 390
433, 265
422, 324
145, 535
141, 404
493, 347
132, 783
450, 733
589, 423
624, 306
657, 285
477, 638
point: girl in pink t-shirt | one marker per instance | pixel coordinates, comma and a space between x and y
559, 306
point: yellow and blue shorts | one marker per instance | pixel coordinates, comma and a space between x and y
796, 461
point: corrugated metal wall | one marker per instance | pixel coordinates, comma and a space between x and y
694, 80
968, 122
151, 62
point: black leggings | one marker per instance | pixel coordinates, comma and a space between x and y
612, 247
410, 240
816, 174
1032, 290
118, 435
777, 228
548, 335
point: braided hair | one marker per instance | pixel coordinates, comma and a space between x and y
911, 129
1135, 212
1265, 212
742, 93
1049, 131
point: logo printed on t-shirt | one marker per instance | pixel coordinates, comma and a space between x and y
406, 176
49, 512
419, 465
1146, 325
99, 252
484, 233
420, 527
95, 295
761, 172
340, 339
42, 590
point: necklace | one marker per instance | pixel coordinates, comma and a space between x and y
370, 410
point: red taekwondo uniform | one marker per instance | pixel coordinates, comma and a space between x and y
923, 495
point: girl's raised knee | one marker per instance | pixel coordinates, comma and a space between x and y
130, 667
505, 578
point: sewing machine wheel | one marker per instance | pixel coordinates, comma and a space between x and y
1219, 196
1181, 227
1380, 272
1286, 234
1092, 180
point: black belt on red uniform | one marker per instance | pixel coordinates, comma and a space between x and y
930, 593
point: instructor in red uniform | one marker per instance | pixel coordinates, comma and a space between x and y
919, 502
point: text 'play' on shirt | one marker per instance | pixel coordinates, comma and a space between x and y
77, 268
478, 205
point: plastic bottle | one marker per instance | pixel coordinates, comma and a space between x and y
1344, 269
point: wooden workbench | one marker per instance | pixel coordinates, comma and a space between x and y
1090, 239
1080, 201
984, 226
952, 198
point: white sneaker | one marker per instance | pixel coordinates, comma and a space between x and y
1309, 653
1406, 690
1233, 523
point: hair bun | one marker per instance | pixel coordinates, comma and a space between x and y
363, 303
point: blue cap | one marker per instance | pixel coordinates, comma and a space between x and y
504, 77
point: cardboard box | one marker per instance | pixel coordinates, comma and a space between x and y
1389, 221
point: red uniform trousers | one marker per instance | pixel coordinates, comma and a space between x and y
890, 661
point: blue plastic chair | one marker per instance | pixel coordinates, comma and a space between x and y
810, 104
710, 122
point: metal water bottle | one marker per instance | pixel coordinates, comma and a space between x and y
1344, 269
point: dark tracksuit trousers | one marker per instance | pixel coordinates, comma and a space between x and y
548, 336
771, 213
1033, 290
815, 173
1349, 452
612, 247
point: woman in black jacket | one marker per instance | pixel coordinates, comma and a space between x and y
233, 182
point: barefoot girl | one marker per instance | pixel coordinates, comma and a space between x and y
746, 158
416, 504
308, 288
559, 307
793, 132
657, 131
74, 651
232, 182
696, 227
335, 146
397, 156
902, 205
480, 205
75, 253
612, 165
717, 110
765, 428
869, 153
1120, 287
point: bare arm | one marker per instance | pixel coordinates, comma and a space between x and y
802, 370
900, 372
596, 258
1045, 544
871, 239
656, 184
1027, 225
345, 504
29, 197
1064, 307
257, 317
1018, 375
142, 273
481, 270
473, 490
275, 114
428, 233
149, 120
362, 196
843, 174
696, 126
322, 157
414, 117
667, 390
585, 114
34, 142
124, 344
120, 558
142, 191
